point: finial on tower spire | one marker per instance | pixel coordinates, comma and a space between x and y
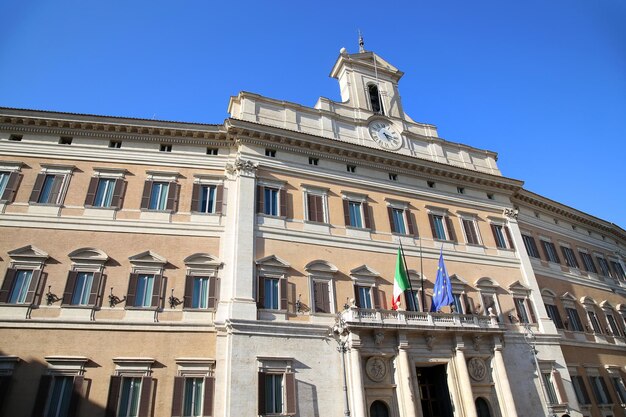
361, 43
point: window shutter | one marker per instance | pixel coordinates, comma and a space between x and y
77, 394
283, 294
495, 235
283, 202
145, 197
118, 191
172, 197
11, 188
392, 225
177, 397
34, 195
450, 227
531, 310
188, 297
195, 197
260, 195
431, 219
34, 288
509, 237
132, 290
544, 247
114, 395
7, 284
310, 200
69, 288
157, 291
319, 208
376, 298
470, 232
582, 257
91, 191
409, 222
94, 294
558, 260
322, 302
357, 296
519, 313
55, 193
261, 393
42, 395
209, 389
290, 393
558, 382
219, 198
261, 291
145, 397
212, 292
346, 212
5, 382
565, 255
366, 215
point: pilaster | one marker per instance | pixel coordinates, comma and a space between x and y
356, 377
405, 390
503, 388
467, 396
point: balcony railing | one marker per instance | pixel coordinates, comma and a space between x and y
417, 318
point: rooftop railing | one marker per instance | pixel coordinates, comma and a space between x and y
355, 315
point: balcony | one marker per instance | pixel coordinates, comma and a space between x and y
369, 317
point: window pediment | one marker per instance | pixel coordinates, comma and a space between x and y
88, 255
519, 288
272, 264
588, 301
147, 258
487, 284
606, 305
202, 260
568, 297
320, 267
29, 254
364, 273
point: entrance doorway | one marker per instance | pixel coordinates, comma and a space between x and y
434, 394
379, 409
482, 408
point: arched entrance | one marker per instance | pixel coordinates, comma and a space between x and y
379, 409
482, 407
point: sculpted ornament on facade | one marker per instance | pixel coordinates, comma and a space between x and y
242, 167
476, 341
477, 369
376, 368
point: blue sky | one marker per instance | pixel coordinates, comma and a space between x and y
543, 83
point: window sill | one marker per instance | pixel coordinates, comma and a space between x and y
49, 209
101, 212
316, 227
275, 221
155, 215
359, 233
206, 218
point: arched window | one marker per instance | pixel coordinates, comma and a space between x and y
376, 102
379, 409
482, 407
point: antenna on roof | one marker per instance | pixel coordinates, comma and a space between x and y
361, 43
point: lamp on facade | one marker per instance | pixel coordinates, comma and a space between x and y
340, 333
531, 341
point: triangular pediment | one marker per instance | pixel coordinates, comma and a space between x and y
606, 305
568, 296
518, 287
28, 252
88, 255
147, 257
202, 260
364, 271
369, 60
587, 300
320, 266
273, 261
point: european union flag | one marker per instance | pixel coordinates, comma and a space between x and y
442, 293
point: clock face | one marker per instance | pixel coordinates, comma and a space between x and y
385, 135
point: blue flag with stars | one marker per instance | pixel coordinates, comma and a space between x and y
442, 293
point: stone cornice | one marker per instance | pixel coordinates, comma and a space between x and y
533, 200
298, 142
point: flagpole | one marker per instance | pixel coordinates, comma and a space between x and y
406, 270
422, 276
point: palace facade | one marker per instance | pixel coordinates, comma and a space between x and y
156, 268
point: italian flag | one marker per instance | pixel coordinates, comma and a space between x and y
400, 281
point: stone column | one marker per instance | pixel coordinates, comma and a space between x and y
467, 396
406, 391
356, 378
503, 388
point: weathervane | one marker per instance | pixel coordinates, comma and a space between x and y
361, 43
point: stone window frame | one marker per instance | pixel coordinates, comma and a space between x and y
471, 219
281, 197
590, 306
202, 265
321, 192
410, 226
364, 209
194, 368
119, 188
91, 260
321, 272
148, 263
26, 258
448, 227
132, 367
13, 168
520, 292
61, 367
200, 181
488, 287
64, 172
272, 267
283, 366
365, 276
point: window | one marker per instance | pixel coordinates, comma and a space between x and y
271, 201
207, 198
65, 140
574, 319
548, 383
490, 196
531, 246
549, 251
129, 396
211, 151
272, 293
159, 195
351, 168
16, 138
458, 304
61, 388
193, 388
400, 220
356, 211
499, 231
555, 316
412, 298
366, 297
49, 189
588, 262
200, 292
471, 234
604, 266
313, 161
618, 384
144, 290
460, 190
315, 207
431, 184
321, 297
441, 227
115, 144
165, 147
82, 288
581, 391
276, 394
593, 319
19, 286
375, 100
569, 256
104, 192
523, 310
600, 391
615, 331
9, 181
618, 270
271, 153
393, 177
321, 275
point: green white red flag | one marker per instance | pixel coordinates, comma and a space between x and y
400, 281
